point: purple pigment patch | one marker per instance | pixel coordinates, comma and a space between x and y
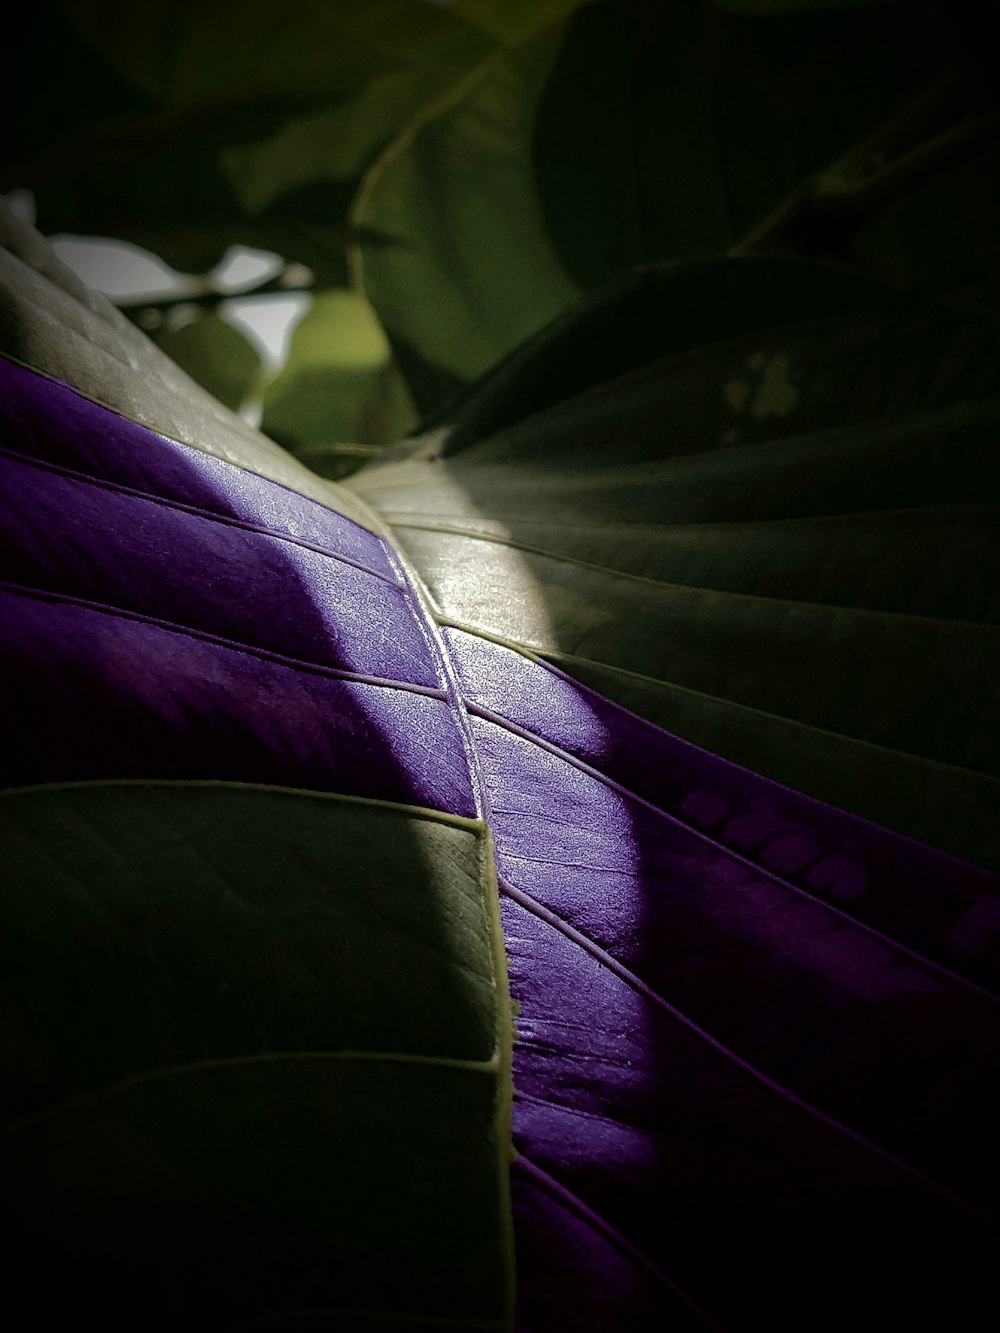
679, 997
757, 1054
168, 615
67, 535
94, 693
48, 421
741, 1198
904, 888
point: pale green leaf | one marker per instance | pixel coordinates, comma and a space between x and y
454, 254
215, 354
339, 386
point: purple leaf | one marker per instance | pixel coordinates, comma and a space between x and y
756, 1071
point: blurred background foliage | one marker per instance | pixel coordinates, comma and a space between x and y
434, 182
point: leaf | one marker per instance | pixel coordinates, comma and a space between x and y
942, 239
514, 20
222, 997
766, 529
214, 91
435, 262
217, 1122
339, 384
49, 320
710, 967
215, 354
336, 143
187, 56
219, 626
630, 135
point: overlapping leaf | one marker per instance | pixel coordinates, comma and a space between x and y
631, 134
339, 389
216, 355
775, 543
200, 95
50, 320
753, 502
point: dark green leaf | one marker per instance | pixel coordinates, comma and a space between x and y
168, 190
767, 526
214, 88
215, 354
334, 143
257, 1058
186, 54
635, 134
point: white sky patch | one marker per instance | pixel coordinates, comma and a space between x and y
242, 268
122, 271
130, 275
268, 322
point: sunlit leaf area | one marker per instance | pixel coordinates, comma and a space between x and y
499, 606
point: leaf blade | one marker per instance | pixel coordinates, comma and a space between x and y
179, 889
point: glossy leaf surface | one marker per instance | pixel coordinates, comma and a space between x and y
745, 521
51, 321
756, 1070
709, 970
661, 908
170, 615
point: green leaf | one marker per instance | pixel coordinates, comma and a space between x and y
214, 89
257, 1059
161, 190
189, 55
215, 354
633, 134
512, 21
753, 502
332, 144
339, 385
163, 184
452, 240
50, 321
